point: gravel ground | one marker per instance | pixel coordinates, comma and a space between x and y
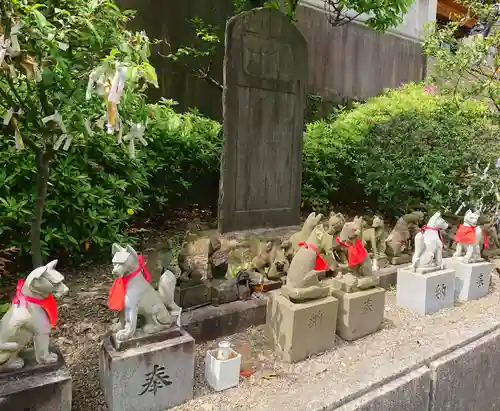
405, 340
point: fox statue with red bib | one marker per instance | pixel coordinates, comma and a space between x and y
133, 295
30, 317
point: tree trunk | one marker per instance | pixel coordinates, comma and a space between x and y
43, 167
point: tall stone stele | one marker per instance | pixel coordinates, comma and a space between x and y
472, 273
265, 79
303, 305
34, 379
148, 367
426, 286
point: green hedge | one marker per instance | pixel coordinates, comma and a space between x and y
97, 189
402, 148
405, 148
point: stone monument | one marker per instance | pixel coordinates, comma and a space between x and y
265, 79
302, 306
472, 273
148, 367
33, 379
361, 301
427, 286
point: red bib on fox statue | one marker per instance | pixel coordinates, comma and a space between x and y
467, 235
356, 252
48, 304
321, 264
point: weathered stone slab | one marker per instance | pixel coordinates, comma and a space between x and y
265, 79
37, 387
425, 293
210, 323
360, 313
150, 377
409, 393
472, 281
189, 296
467, 379
300, 330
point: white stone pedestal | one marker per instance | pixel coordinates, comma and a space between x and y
222, 374
426, 292
150, 376
472, 281
300, 330
36, 387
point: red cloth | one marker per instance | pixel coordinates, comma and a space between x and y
321, 264
356, 253
466, 234
49, 304
485, 241
116, 298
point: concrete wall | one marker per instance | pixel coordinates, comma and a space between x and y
464, 378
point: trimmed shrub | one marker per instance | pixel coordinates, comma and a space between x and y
402, 149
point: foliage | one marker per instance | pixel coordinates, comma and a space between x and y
5, 260
468, 67
50, 49
97, 189
401, 149
381, 16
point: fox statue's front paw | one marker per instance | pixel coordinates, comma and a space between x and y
49, 358
123, 335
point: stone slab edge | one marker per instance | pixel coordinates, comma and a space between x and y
401, 374
210, 323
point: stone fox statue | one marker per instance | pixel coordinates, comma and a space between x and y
302, 281
133, 295
31, 316
470, 239
429, 244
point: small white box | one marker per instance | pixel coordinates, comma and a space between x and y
222, 374
425, 293
472, 281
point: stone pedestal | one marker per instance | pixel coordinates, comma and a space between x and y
425, 292
36, 387
472, 281
148, 373
192, 295
300, 330
360, 313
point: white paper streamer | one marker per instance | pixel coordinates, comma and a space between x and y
136, 132
15, 47
56, 118
59, 141
88, 128
69, 139
117, 85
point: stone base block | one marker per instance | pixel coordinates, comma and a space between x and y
192, 296
472, 281
360, 313
300, 330
402, 259
36, 387
149, 377
425, 293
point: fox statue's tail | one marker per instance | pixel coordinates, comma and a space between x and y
166, 289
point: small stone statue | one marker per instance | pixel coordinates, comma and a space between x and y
31, 316
429, 244
330, 248
399, 242
133, 295
311, 222
265, 257
359, 262
280, 264
374, 241
491, 237
302, 281
190, 272
217, 259
470, 239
